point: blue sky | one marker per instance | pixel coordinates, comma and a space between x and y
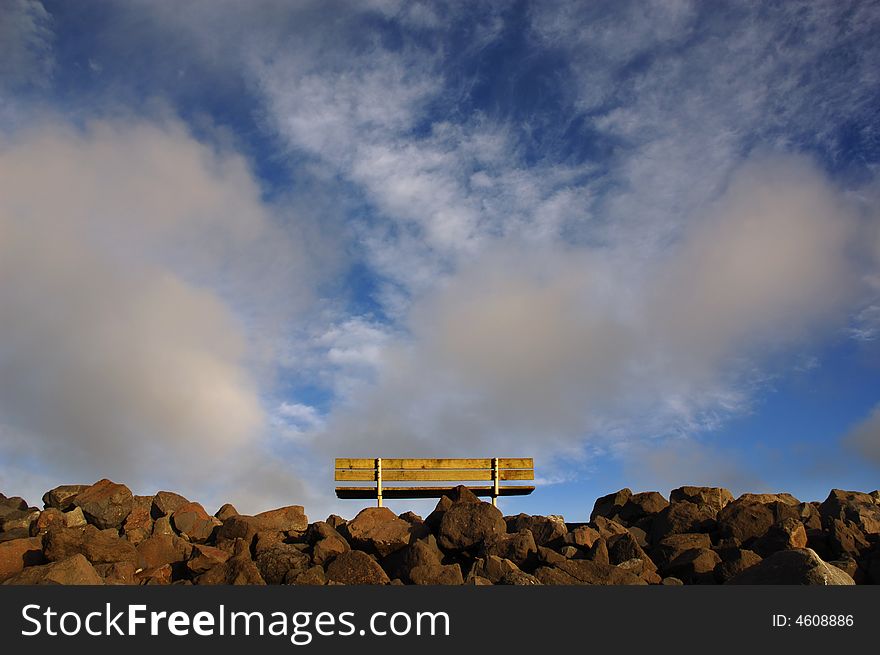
638, 241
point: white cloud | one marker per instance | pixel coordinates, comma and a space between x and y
141, 281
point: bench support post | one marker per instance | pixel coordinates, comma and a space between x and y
495, 477
379, 480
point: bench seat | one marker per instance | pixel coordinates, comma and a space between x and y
427, 492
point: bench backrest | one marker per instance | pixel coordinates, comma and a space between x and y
381, 470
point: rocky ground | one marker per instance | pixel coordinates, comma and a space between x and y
102, 534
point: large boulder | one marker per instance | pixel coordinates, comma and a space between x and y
105, 504
290, 519
844, 539
327, 548
378, 530
281, 563
715, 498
356, 568
668, 548
749, 518
519, 548
784, 498
165, 502
16, 554
19, 519
440, 574
98, 546
546, 530
75, 570
138, 524
238, 526
421, 553
642, 506
237, 570
586, 572
694, 566
793, 567
192, 520
609, 506
492, 568
624, 547
859, 508
680, 518
784, 535
465, 526
203, 558
734, 561
159, 550
62, 497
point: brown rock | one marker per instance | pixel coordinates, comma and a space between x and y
239, 526
784, 535
158, 550
853, 506
747, 519
356, 568
21, 519
225, 512
162, 525
642, 505
519, 548
624, 547
335, 521
549, 557
165, 502
645, 569
74, 570
797, 567
237, 570
117, 573
16, 554
138, 525
671, 582
608, 527
599, 552
519, 579
423, 552
46, 519
378, 530
467, 525
571, 552
160, 575
609, 506
411, 517
448, 574
192, 520
291, 519
734, 561
321, 530
313, 576
810, 516
62, 497
328, 548
492, 568
674, 545
97, 546
203, 558
105, 504
586, 572
680, 518
786, 499
583, 536
715, 498
282, 563
546, 530
845, 539
694, 566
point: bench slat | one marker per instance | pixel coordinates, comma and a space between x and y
426, 492
429, 463
399, 475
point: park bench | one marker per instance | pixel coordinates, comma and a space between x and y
381, 470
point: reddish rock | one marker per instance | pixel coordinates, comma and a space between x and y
599, 552
608, 527
192, 520
748, 519
624, 547
583, 536
239, 569
225, 512
105, 504
291, 519
378, 530
423, 552
62, 497
74, 518
159, 575
784, 535
75, 570
46, 519
239, 527
204, 558
328, 548
674, 545
549, 557
98, 546
16, 554
117, 573
356, 568
158, 550
321, 530
21, 519
281, 563
313, 576
138, 525
165, 502
642, 505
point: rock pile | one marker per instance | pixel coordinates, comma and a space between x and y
103, 534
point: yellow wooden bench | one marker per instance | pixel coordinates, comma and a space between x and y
380, 471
